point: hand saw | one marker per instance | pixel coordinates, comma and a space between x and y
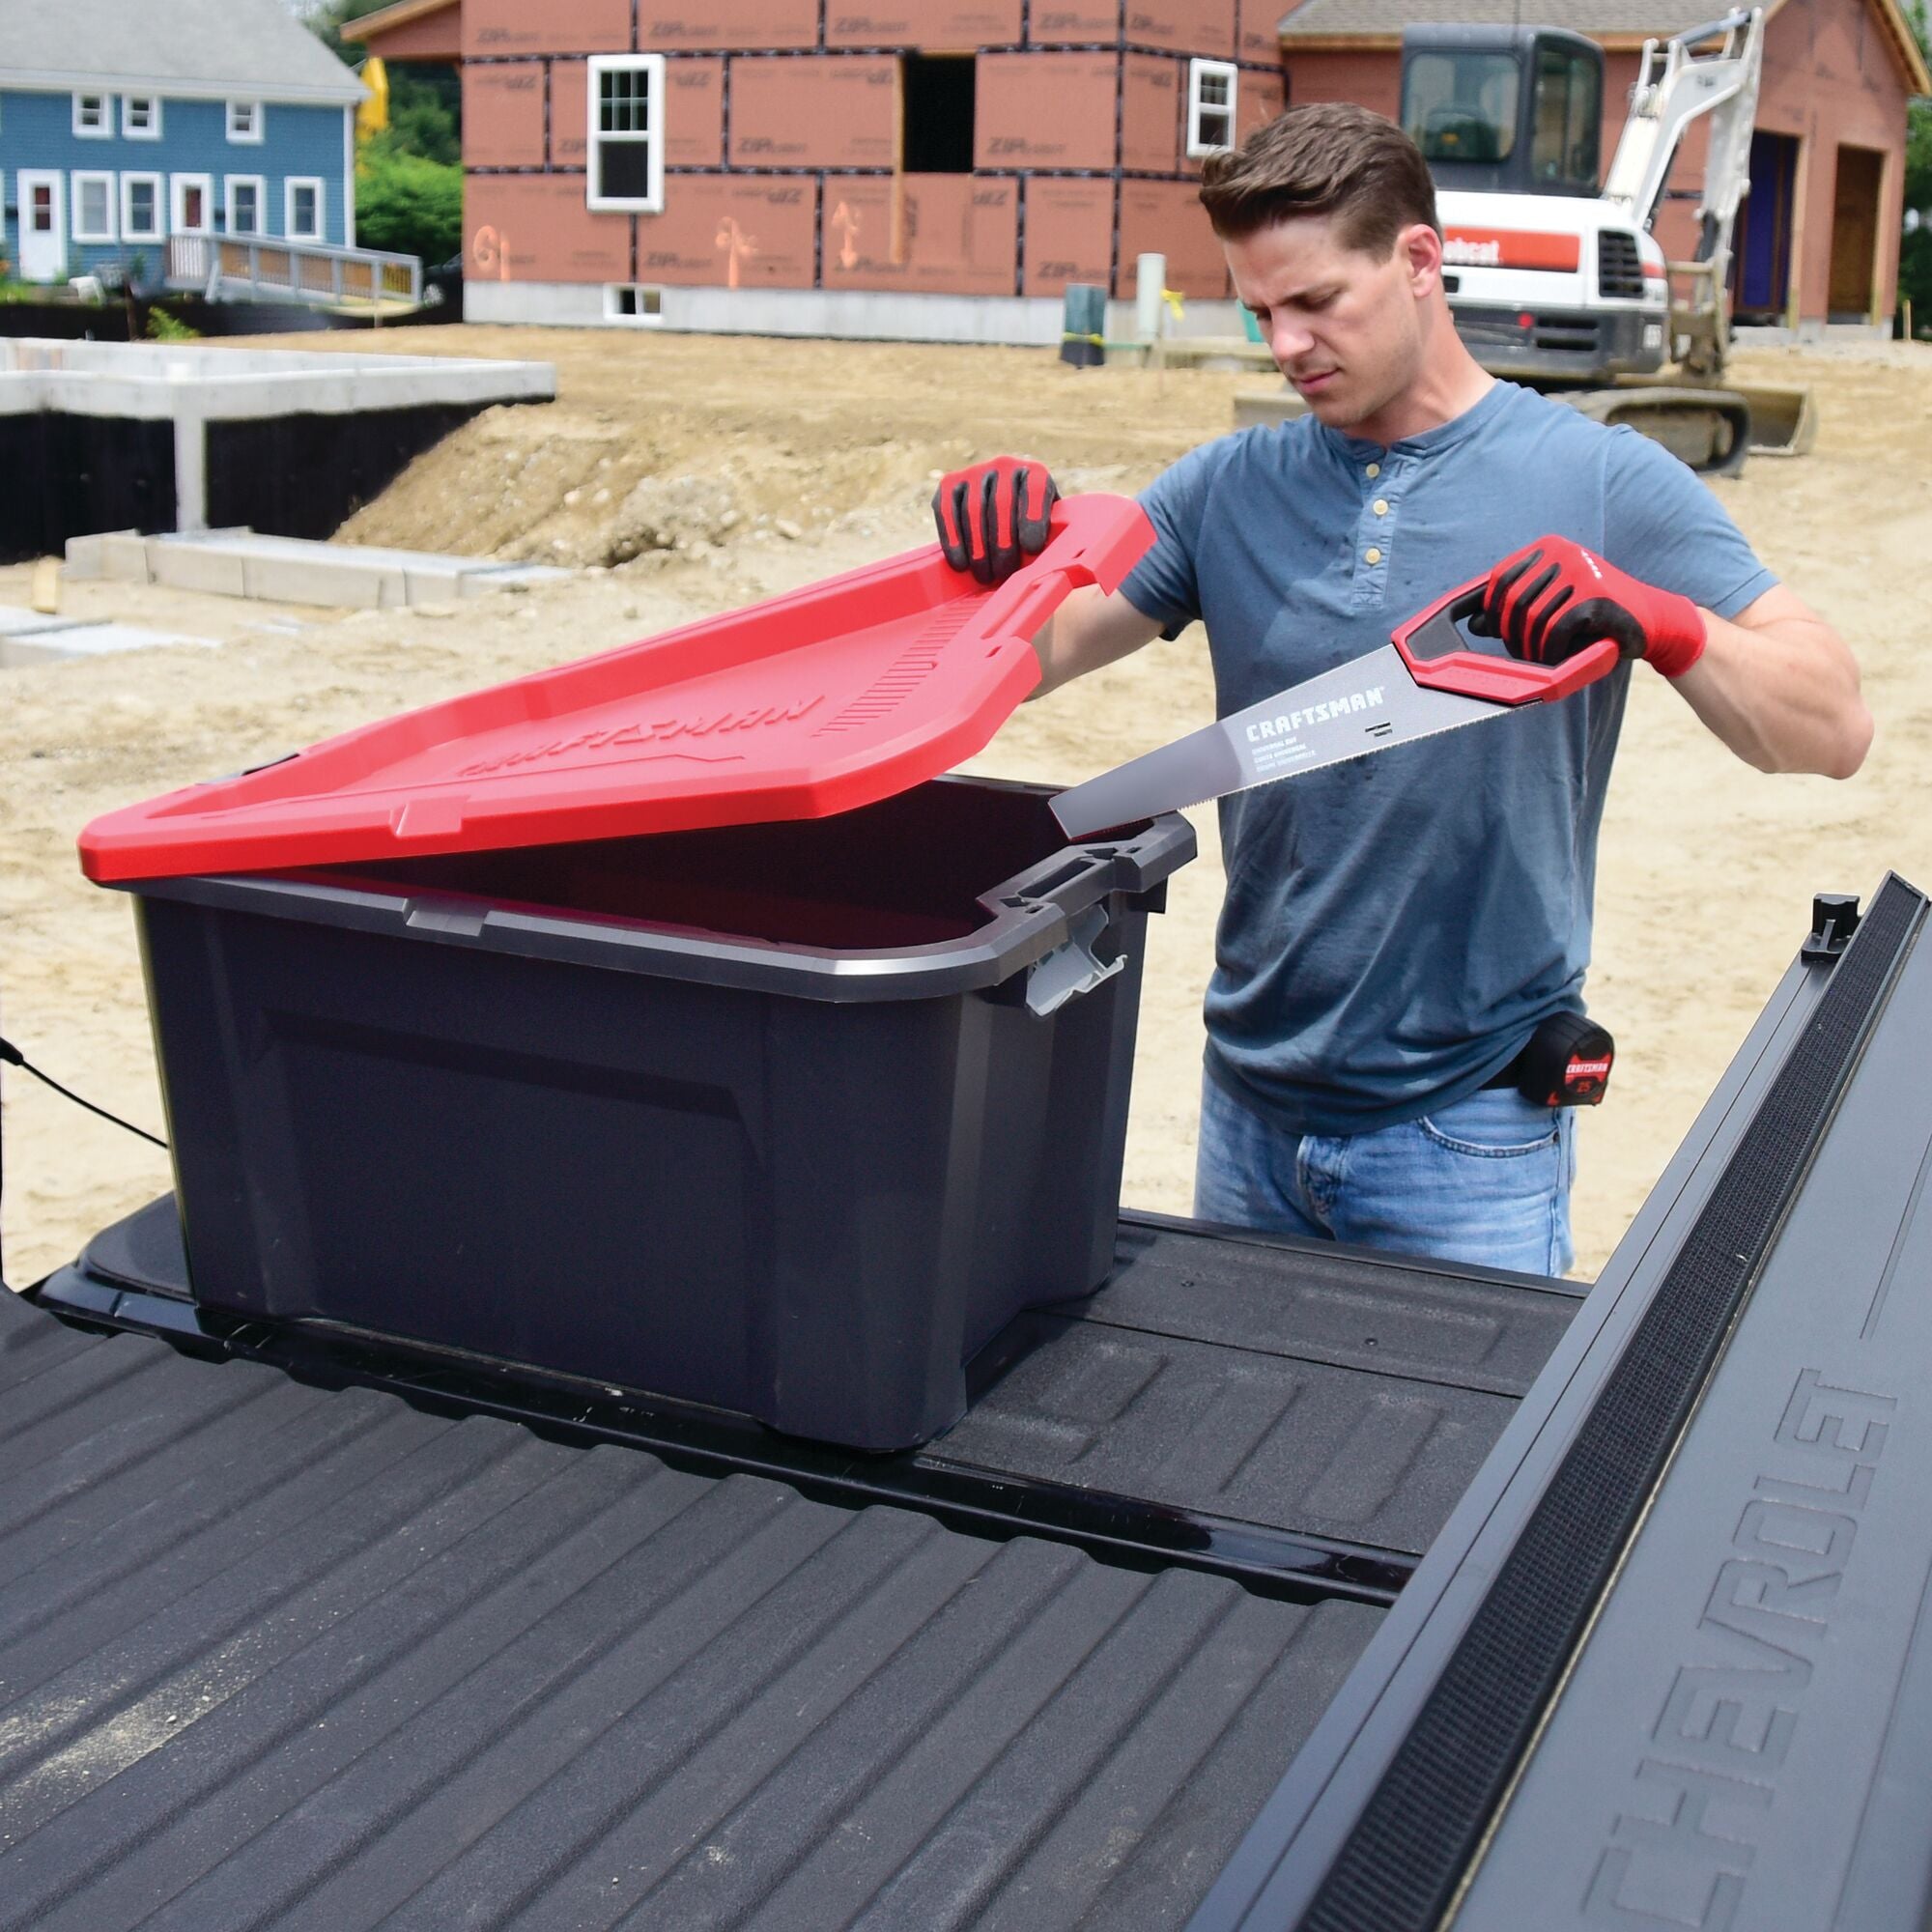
1422, 681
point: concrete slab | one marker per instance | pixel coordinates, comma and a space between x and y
341, 580
186, 563
351, 577
19, 650
119, 555
16, 621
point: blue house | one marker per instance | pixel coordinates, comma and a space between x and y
125, 122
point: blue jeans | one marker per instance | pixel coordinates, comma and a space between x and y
1486, 1181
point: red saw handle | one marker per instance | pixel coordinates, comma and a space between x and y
1502, 680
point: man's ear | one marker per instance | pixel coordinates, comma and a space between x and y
1421, 249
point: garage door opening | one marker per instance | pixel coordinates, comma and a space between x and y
1854, 236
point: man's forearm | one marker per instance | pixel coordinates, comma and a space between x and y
1782, 693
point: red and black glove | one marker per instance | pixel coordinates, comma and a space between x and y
993, 517
1554, 598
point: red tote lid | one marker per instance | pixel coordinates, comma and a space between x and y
830, 698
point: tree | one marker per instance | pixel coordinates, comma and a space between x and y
405, 203
409, 179
425, 98
1915, 253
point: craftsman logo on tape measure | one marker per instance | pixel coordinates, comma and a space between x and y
660, 732
1290, 721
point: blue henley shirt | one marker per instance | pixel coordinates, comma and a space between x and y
1396, 927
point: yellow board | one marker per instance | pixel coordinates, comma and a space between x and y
373, 116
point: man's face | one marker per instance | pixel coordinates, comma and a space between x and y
1345, 328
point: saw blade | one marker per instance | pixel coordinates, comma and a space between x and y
1365, 705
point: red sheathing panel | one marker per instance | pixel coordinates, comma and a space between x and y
956, 235
1045, 111
1074, 22
1069, 234
1187, 26
671, 26
569, 109
1255, 38
1150, 108
535, 228
1167, 219
1258, 99
949, 26
750, 232
503, 114
834, 113
694, 114
497, 27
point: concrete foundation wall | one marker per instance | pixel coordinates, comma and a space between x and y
288, 441
859, 316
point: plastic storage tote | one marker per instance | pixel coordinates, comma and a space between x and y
789, 1119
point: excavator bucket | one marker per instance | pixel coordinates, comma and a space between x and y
1784, 419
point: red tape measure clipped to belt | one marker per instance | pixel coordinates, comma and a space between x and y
1566, 1064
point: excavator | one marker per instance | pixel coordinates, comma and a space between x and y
1558, 281
1562, 284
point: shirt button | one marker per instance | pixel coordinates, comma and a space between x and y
1374, 470
1381, 506
1371, 555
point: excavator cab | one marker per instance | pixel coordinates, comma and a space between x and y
1509, 110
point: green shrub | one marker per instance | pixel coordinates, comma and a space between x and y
165, 328
407, 203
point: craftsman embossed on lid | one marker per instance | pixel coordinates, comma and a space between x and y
818, 701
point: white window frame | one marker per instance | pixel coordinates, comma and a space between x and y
229, 184
75, 232
645, 304
153, 131
251, 135
652, 67
1199, 71
321, 188
101, 129
129, 232
178, 187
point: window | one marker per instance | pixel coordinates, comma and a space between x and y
92, 208
193, 205
93, 117
301, 208
626, 132
141, 117
1460, 108
936, 123
1210, 106
245, 121
140, 207
245, 200
1563, 149
629, 301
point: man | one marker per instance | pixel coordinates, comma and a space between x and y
1396, 928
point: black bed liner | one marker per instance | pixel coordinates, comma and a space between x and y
303, 1654
1276, 1586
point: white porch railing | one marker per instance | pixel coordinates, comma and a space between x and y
245, 267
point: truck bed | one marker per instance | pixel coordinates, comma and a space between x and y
285, 1652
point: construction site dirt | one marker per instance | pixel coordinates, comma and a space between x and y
686, 475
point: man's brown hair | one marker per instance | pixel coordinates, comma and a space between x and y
1330, 157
